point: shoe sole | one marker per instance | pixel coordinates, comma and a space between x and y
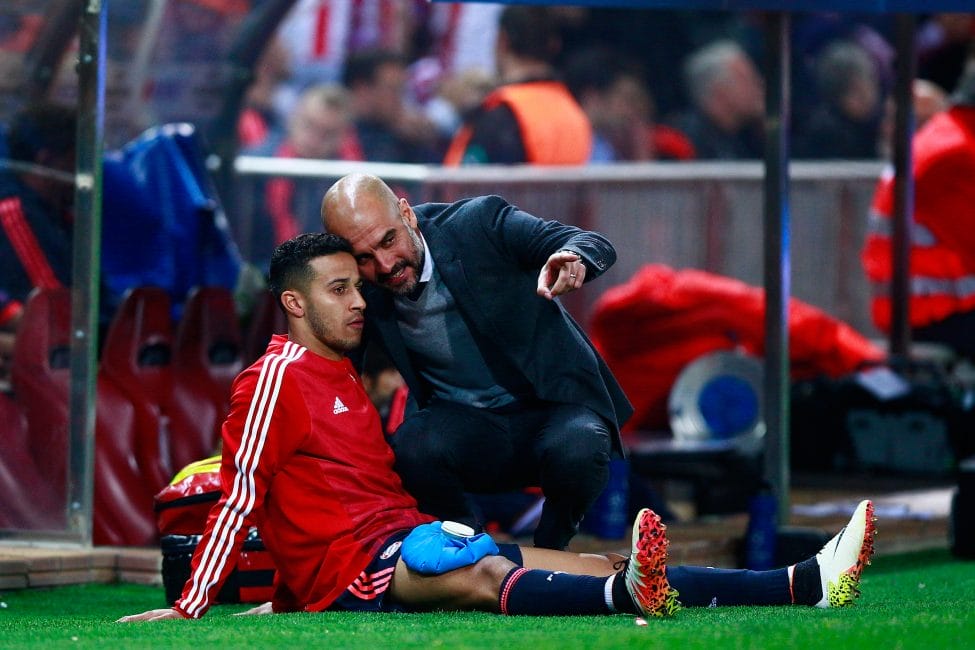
651, 545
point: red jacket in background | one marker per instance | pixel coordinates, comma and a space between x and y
662, 319
942, 261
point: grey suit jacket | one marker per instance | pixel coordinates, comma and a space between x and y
489, 254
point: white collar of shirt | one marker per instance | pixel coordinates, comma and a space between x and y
427, 272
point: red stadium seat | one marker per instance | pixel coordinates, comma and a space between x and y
29, 502
40, 375
268, 319
209, 337
123, 512
208, 356
137, 359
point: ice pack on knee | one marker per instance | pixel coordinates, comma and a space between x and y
430, 550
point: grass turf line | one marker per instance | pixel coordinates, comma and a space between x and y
921, 600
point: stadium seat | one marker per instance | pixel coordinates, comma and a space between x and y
123, 507
268, 319
137, 359
40, 375
29, 502
208, 356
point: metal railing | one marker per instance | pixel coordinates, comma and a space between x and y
703, 215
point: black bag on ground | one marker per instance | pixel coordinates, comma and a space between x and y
251, 581
182, 508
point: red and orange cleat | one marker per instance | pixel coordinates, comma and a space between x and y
645, 574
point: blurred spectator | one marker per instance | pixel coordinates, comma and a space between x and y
320, 35
943, 43
35, 209
388, 129
18, 31
260, 120
198, 30
658, 40
457, 68
813, 33
846, 122
942, 264
728, 103
463, 35
929, 100
620, 109
532, 118
320, 128
456, 98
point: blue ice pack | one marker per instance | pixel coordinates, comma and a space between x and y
427, 549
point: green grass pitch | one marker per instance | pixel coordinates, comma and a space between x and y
921, 600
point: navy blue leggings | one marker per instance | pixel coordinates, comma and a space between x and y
704, 586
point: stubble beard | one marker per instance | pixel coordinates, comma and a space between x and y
416, 264
324, 334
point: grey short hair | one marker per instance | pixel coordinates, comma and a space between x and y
332, 95
708, 65
838, 66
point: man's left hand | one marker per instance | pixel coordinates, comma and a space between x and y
151, 615
563, 272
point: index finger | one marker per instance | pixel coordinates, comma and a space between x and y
565, 256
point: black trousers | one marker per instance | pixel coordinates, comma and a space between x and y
447, 449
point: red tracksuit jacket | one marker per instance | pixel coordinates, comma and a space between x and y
305, 456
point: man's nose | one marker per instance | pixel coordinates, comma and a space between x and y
359, 304
385, 260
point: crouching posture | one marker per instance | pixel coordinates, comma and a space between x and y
304, 456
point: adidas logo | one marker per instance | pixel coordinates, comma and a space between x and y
339, 407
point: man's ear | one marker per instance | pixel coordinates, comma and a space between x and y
406, 213
293, 302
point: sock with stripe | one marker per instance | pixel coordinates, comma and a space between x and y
622, 601
807, 586
551, 593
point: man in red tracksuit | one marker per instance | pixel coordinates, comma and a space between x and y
942, 260
305, 457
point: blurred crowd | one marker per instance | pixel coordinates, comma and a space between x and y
464, 83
